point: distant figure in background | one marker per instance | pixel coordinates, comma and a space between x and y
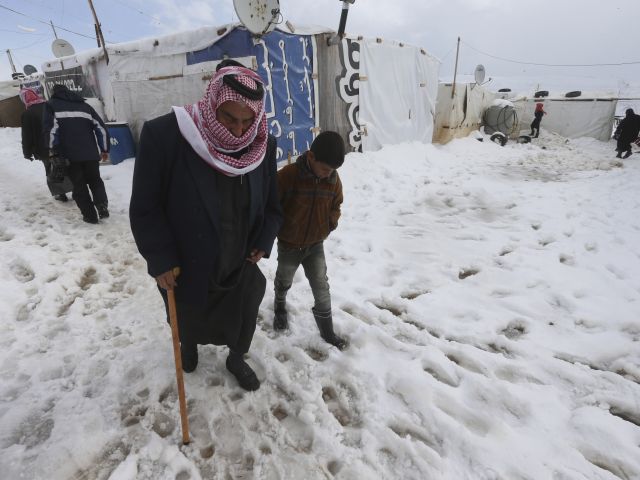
627, 132
76, 132
535, 125
310, 193
33, 142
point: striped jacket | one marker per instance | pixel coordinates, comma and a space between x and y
311, 206
72, 127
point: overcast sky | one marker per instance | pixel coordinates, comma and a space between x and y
544, 31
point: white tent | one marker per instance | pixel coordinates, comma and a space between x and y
398, 90
305, 82
588, 115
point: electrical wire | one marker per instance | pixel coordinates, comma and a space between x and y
140, 11
47, 23
28, 46
551, 64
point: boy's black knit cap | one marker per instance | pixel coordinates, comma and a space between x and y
328, 148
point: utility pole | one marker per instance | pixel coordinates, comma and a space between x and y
455, 71
55, 34
13, 67
100, 37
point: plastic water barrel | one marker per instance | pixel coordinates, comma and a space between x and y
122, 144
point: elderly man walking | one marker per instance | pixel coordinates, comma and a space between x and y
205, 201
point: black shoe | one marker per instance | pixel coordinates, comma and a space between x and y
244, 374
189, 356
627, 155
103, 211
92, 220
61, 197
619, 155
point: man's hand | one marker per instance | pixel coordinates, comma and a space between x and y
167, 280
104, 156
255, 255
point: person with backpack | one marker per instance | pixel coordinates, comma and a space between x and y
77, 135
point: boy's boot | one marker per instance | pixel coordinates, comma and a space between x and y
628, 154
325, 324
280, 320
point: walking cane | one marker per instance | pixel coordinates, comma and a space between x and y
173, 319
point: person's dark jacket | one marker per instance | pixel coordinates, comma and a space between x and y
174, 208
72, 128
33, 142
311, 206
628, 130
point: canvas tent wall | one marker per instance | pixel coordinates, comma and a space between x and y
376, 91
145, 78
461, 114
589, 116
11, 107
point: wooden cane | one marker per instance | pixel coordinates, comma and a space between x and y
173, 320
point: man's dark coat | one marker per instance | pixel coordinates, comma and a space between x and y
174, 208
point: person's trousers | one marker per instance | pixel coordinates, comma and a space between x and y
85, 176
535, 127
315, 269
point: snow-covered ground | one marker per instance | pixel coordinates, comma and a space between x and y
491, 297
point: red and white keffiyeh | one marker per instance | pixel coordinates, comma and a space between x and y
213, 141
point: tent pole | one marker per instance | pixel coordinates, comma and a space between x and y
13, 67
100, 37
455, 71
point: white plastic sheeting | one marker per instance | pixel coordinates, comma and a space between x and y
398, 91
571, 118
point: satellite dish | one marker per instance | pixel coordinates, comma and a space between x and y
258, 16
479, 74
29, 69
62, 48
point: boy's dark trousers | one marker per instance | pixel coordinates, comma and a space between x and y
315, 268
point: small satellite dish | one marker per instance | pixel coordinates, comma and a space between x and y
61, 48
258, 16
29, 69
479, 74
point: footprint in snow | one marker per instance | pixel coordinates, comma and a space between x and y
515, 329
21, 271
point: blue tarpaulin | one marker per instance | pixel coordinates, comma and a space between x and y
285, 63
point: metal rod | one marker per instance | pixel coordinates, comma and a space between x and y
13, 67
100, 37
55, 34
455, 71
